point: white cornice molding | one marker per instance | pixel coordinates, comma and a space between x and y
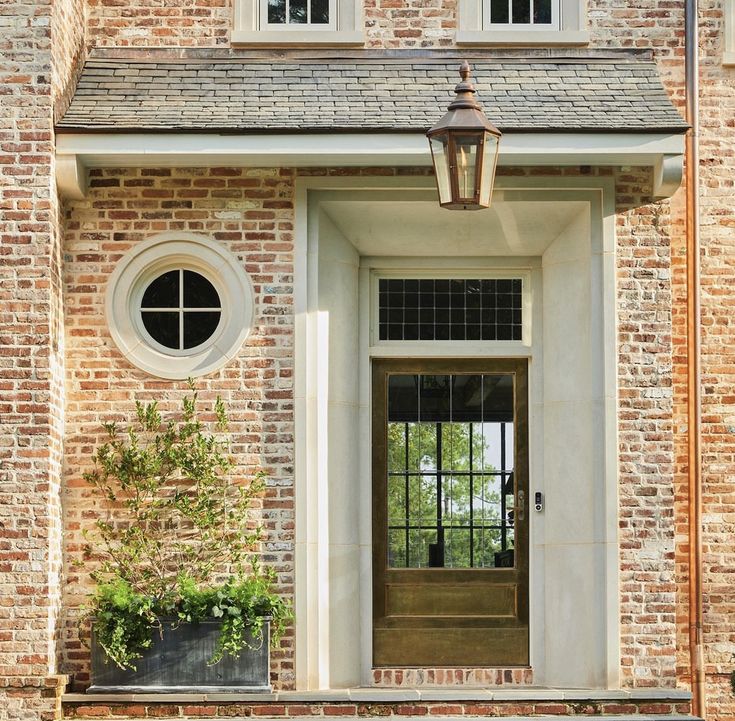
71, 176
667, 175
79, 151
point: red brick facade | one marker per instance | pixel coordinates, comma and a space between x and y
108, 708
61, 376
251, 213
32, 351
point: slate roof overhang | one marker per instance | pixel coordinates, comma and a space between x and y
371, 93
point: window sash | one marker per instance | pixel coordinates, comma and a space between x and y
289, 26
530, 26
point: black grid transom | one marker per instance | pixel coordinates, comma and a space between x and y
450, 309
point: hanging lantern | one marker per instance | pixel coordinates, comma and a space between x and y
464, 148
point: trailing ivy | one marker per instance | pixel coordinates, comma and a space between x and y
176, 520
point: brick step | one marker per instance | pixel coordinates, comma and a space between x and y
352, 704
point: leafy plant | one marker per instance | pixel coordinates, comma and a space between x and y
176, 520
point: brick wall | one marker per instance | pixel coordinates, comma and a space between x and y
717, 163
410, 23
646, 494
31, 364
251, 213
68, 25
657, 24
33, 79
159, 23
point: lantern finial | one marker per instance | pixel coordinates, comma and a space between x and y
465, 90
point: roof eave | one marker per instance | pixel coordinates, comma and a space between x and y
65, 129
79, 151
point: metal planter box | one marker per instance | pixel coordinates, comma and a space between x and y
177, 663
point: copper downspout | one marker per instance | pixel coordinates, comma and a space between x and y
694, 406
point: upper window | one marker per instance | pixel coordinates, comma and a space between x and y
179, 305
523, 14
299, 14
313, 22
522, 22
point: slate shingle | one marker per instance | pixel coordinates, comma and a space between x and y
370, 94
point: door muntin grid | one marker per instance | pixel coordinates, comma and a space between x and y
450, 470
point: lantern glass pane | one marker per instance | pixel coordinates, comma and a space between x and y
466, 147
490, 158
441, 167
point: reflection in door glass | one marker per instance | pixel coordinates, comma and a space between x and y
451, 485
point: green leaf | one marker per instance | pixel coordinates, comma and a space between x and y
179, 519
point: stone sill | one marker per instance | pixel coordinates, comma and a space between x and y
523, 38
313, 38
376, 695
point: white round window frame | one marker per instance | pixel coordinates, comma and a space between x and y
157, 255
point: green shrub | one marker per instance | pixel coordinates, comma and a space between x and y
176, 520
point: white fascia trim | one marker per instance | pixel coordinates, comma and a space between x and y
120, 150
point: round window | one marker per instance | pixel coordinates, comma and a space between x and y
179, 305
180, 309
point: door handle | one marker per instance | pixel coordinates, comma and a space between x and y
521, 505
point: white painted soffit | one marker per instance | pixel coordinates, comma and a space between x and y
76, 152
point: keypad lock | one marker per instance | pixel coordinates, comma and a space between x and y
538, 502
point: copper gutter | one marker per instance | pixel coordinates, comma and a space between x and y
694, 380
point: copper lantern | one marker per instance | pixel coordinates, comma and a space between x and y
464, 148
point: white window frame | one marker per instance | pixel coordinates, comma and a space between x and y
157, 255
449, 346
568, 28
530, 26
728, 33
251, 26
305, 27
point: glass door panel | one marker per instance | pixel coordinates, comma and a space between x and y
450, 471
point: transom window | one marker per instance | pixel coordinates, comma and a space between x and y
301, 14
457, 309
180, 309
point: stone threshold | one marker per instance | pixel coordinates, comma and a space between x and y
601, 717
379, 695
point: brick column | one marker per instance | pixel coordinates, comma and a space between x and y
31, 368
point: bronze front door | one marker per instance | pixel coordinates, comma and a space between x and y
450, 496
